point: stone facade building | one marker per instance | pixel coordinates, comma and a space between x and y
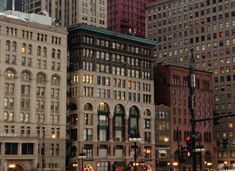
110, 99
33, 66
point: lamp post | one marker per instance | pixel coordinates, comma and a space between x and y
135, 138
43, 150
82, 156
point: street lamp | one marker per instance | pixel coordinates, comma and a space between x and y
175, 164
75, 165
82, 156
209, 165
225, 164
135, 138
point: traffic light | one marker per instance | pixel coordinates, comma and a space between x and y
225, 142
188, 141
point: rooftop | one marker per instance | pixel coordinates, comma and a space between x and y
36, 18
76, 27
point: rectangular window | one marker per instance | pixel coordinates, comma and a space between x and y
27, 148
147, 123
11, 148
147, 137
88, 134
88, 119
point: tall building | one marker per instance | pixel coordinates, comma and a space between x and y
207, 26
111, 99
171, 89
3, 5
127, 16
14, 5
66, 13
33, 93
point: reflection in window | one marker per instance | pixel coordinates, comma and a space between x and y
9, 74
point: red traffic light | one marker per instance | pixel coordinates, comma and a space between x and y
187, 138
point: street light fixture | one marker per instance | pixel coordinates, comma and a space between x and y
82, 156
75, 165
135, 138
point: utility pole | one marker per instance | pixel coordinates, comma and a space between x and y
192, 86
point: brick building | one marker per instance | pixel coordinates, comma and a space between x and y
171, 89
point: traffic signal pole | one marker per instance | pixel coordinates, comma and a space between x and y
192, 101
192, 86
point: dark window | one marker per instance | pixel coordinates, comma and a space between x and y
27, 148
222, 79
233, 13
147, 123
73, 134
11, 148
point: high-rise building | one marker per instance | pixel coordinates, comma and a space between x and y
171, 89
127, 16
207, 26
93, 12
3, 5
33, 93
14, 5
110, 100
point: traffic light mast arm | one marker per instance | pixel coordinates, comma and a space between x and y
214, 117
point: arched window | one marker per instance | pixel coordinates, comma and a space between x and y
133, 120
147, 112
39, 51
134, 110
23, 48
41, 78
88, 107
10, 74
103, 111
25, 76
8, 45
103, 107
118, 123
55, 80
119, 109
